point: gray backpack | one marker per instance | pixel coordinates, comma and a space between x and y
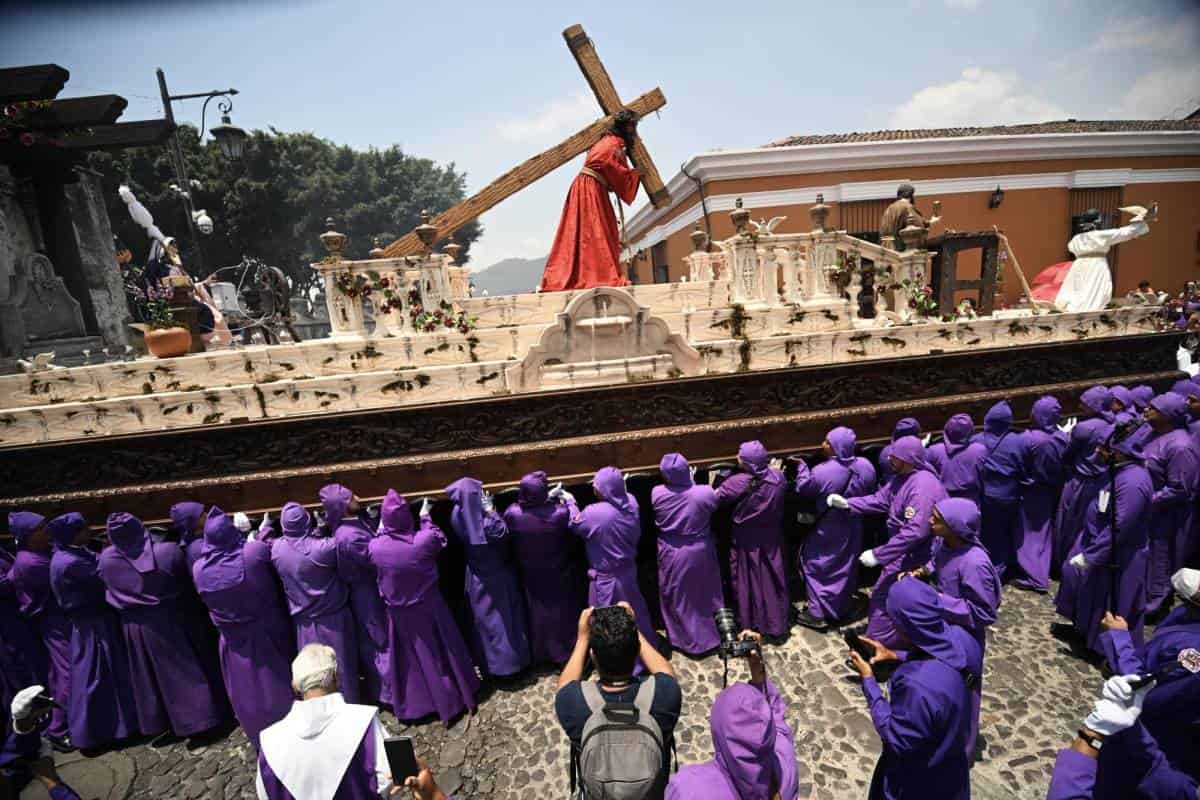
620, 752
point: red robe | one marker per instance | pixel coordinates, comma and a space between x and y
1047, 282
587, 248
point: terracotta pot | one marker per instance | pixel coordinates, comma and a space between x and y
168, 342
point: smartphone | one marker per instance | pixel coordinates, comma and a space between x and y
855, 643
402, 759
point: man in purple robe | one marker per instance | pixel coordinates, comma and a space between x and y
753, 746
429, 668
144, 580
956, 459
924, 726
689, 576
23, 663
1043, 449
343, 513
237, 583
1085, 476
1110, 555
187, 523
1003, 471
30, 579
101, 707
1142, 395
908, 500
610, 529
1121, 400
908, 426
23, 754
1174, 465
758, 491
499, 636
552, 580
318, 599
829, 552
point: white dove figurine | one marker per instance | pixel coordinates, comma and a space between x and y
42, 362
1141, 213
766, 226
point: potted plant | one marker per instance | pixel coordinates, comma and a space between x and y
164, 339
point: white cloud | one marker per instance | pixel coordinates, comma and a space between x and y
962, 5
978, 97
1172, 92
1137, 33
557, 117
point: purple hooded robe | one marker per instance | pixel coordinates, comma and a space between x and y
757, 567
908, 426
1042, 478
187, 520
1132, 754
101, 707
23, 662
317, 597
969, 587
174, 686
753, 749
610, 529
499, 636
829, 552
554, 585
908, 501
1085, 476
956, 459
352, 536
689, 575
1002, 470
1174, 465
30, 579
1142, 395
924, 727
429, 668
237, 583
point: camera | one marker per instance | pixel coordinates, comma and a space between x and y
728, 629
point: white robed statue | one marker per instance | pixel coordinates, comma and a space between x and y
1088, 283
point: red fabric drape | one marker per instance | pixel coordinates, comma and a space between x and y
587, 248
1047, 282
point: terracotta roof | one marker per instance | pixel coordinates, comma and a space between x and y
1060, 126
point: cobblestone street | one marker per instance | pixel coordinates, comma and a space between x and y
1035, 694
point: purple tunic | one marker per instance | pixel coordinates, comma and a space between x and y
1042, 477
354, 565
237, 583
956, 459
757, 567
172, 685
1081, 470
689, 576
499, 636
429, 668
829, 553
753, 747
317, 597
908, 501
23, 660
553, 584
1132, 754
610, 529
907, 426
1174, 465
101, 707
1002, 470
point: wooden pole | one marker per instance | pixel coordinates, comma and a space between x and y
1021, 273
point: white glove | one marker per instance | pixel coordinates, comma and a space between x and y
22, 704
566, 498
241, 522
1079, 562
555, 492
927, 439
1102, 500
266, 518
250, 537
1118, 707
776, 463
488, 505
425, 507
692, 471
1118, 688
1069, 425
868, 559
837, 501
625, 478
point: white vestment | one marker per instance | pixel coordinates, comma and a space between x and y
1088, 285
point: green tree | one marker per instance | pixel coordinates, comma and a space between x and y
272, 204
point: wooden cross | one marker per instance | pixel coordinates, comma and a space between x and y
521, 176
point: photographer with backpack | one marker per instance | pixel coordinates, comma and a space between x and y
621, 727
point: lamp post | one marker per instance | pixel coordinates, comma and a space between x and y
230, 138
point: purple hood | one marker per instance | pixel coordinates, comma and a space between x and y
395, 518
1121, 395
1142, 395
957, 433
184, 518
754, 457
743, 736
467, 515
962, 517
842, 440
610, 486
534, 490
129, 539
909, 450
1046, 414
65, 527
1186, 389
1098, 399
221, 564
335, 499
906, 427
675, 471
917, 611
23, 524
1172, 406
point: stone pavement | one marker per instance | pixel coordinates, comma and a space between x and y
1035, 694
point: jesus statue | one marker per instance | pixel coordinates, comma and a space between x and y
587, 247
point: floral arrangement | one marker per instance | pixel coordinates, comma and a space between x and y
155, 299
392, 300
352, 284
920, 297
444, 316
15, 121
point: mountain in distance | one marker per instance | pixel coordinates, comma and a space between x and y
510, 276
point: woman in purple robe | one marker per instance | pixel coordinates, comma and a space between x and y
101, 707
689, 575
829, 552
187, 523
499, 636
318, 599
924, 726
1003, 470
757, 567
144, 580
956, 459
908, 426
30, 579
353, 535
429, 668
237, 583
1111, 551
908, 500
551, 579
610, 529
1174, 465
1042, 477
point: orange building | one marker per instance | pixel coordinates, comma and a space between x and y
1030, 180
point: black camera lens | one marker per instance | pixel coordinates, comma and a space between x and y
727, 625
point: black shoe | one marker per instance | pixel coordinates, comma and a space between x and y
61, 744
1063, 630
809, 621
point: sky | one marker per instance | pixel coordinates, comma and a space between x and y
486, 85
